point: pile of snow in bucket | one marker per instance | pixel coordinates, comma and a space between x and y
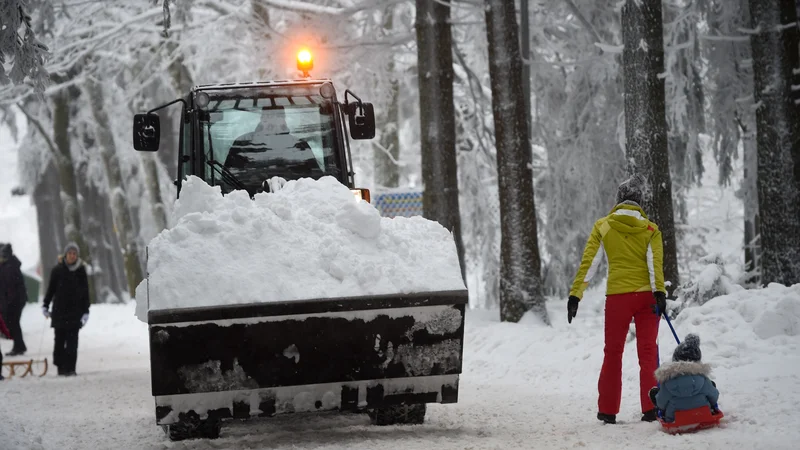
311, 239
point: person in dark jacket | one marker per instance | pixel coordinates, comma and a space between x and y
68, 290
13, 297
684, 382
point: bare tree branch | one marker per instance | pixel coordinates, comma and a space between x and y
38, 125
572, 7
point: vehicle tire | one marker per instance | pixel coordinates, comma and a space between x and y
399, 415
190, 426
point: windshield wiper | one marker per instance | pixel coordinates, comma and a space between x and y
226, 175
223, 171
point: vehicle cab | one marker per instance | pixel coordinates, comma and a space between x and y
243, 135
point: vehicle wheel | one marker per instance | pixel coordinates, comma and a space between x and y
191, 426
399, 415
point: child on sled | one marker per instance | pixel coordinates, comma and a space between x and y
684, 382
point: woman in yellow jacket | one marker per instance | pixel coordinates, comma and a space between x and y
635, 291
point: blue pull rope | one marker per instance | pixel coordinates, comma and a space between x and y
672, 328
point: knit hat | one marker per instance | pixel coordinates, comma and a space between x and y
632, 190
5, 251
688, 350
72, 246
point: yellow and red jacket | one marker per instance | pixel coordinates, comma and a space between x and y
634, 249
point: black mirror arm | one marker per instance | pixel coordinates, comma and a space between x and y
168, 104
359, 102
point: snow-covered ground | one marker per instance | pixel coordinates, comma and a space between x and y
524, 386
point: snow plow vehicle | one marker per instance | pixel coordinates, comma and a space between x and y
387, 355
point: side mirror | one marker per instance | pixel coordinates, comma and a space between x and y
146, 132
362, 120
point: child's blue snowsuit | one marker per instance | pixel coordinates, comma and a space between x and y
684, 385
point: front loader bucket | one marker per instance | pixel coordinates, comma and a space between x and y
345, 354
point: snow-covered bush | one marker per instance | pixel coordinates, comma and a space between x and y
713, 281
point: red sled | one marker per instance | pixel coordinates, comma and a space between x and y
692, 420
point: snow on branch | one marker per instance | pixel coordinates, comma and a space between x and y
676, 48
143, 16
388, 152
38, 125
775, 29
98, 41
222, 8
785, 26
756, 30
586, 24
606, 48
710, 37
300, 6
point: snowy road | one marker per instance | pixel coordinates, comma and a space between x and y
524, 386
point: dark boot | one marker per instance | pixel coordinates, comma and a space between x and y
649, 416
653, 392
607, 418
16, 353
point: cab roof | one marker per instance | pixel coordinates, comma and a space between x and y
205, 87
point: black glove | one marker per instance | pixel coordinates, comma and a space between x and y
652, 394
661, 303
572, 307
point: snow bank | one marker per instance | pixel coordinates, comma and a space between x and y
733, 328
311, 239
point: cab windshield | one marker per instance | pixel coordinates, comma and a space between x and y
250, 135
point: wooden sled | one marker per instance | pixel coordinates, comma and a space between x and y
692, 420
26, 365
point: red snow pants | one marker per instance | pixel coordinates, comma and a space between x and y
620, 309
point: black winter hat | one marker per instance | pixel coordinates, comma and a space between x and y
632, 190
688, 350
72, 246
5, 250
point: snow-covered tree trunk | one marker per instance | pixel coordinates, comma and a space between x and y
120, 210
437, 118
386, 156
645, 119
113, 262
685, 100
752, 247
150, 164
731, 115
66, 178
50, 220
520, 266
774, 41
94, 206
